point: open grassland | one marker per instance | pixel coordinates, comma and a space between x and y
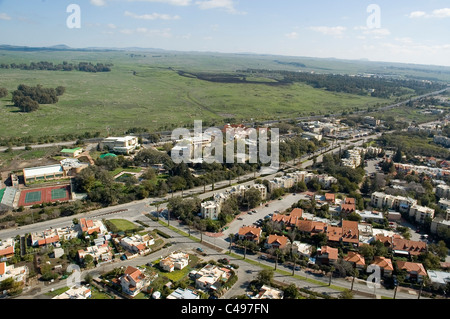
146, 91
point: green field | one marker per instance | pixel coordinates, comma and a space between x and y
156, 97
123, 225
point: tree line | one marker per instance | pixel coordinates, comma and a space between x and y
28, 98
378, 87
65, 66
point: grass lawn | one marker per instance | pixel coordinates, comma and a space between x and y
96, 294
57, 292
178, 275
123, 225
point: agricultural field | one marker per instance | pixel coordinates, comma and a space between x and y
148, 92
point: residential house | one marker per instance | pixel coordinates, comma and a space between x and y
330, 198
47, 237
211, 277
327, 255
174, 261
276, 242
250, 233
355, 259
267, 292
311, 227
334, 234
350, 233
133, 281
81, 292
7, 248
90, 226
185, 294
404, 247
385, 265
302, 249
439, 279
102, 253
415, 271
138, 244
19, 274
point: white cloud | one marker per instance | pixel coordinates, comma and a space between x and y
4, 16
335, 31
165, 33
98, 3
292, 35
227, 5
153, 16
181, 3
417, 14
438, 13
377, 33
111, 26
441, 13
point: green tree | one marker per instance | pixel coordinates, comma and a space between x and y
265, 277
291, 292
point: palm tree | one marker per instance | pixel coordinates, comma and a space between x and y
231, 236
331, 274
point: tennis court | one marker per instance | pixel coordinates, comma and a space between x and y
33, 197
45, 195
59, 193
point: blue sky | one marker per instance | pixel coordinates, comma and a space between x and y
414, 31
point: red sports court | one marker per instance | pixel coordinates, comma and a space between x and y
38, 196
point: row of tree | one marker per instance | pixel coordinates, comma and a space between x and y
65, 66
379, 87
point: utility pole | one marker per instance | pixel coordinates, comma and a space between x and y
395, 291
421, 288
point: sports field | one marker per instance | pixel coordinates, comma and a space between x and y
44, 195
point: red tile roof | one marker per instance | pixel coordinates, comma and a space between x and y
383, 262
276, 240
334, 233
332, 252
355, 258
413, 247
412, 267
7, 251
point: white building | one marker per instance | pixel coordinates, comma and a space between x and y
174, 261
121, 145
301, 249
267, 292
443, 191
420, 213
439, 224
19, 274
187, 294
210, 210
371, 216
439, 279
210, 277
75, 292
138, 244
